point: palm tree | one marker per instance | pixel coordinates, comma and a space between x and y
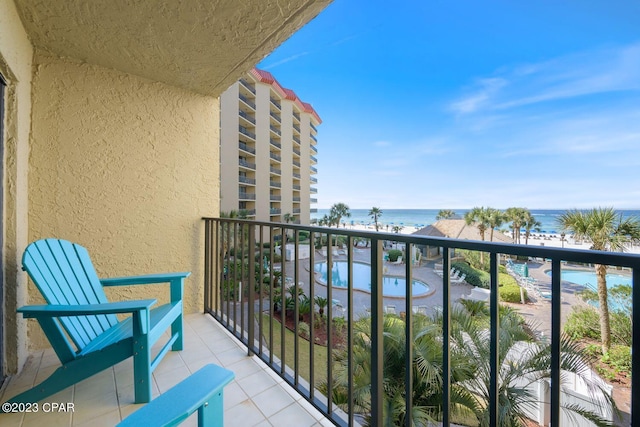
375, 214
529, 224
495, 218
445, 214
288, 217
607, 231
517, 216
522, 360
338, 211
480, 217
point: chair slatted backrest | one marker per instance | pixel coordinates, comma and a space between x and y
64, 274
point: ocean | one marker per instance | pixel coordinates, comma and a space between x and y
418, 218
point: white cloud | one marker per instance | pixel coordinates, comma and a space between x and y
594, 72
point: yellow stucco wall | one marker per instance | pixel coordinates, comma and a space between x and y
15, 65
126, 167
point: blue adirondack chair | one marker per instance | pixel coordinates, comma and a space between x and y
82, 325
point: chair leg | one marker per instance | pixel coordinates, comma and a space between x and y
177, 328
142, 370
211, 414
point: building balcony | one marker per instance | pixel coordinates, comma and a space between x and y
296, 163
247, 101
275, 143
275, 171
313, 190
257, 395
313, 127
313, 169
297, 199
297, 175
245, 164
296, 210
314, 139
246, 132
275, 103
251, 88
376, 323
275, 130
314, 159
297, 187
275, 116
244, 147
275, 198
296, 139
248, 117
296, 151
274, 156
313, 180
313, 200
275, 184
275, 211
313, 210
313, 149
246, 196
245, 180
296, 128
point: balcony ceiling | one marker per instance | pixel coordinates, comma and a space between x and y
199, 45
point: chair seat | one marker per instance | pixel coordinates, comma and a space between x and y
160, 317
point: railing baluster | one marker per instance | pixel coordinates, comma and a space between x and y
296, 308
408, 309
635, 361
328, 322
556, 301
251, 321
494, 355
261, 290
350, 320
446, 336
377, 329
312, 282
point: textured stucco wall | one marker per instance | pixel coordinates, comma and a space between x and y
15, 65
126, 167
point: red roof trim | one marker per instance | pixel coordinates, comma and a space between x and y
266, 77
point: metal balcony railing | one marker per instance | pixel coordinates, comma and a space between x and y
247, 101
296, 175
313, 200
313, 180
296, 151
275, 198
314, 149
296, 199
297, 187
243, 146
296, 128
296, 163
245, 180
275, 211
247, 164
313, 137
358, 349
296, 210
243, 130
275, 157
313, 170
275, 102
275, 143
314, 159
275, 170
246, 196
247, 116
275, 116
296, 139
275, 184
313, 127
313, 190
275, 130
248, 85
296, 115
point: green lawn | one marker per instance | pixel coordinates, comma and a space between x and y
304, 352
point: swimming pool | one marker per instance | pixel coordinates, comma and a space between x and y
391, 286
587, 278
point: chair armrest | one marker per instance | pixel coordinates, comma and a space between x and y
37, 311
145, 279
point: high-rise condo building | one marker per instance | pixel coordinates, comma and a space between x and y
267, 151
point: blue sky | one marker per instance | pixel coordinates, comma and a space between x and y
455, 104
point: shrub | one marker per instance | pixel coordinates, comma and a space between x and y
304, 330
473, 277
620, 358
511, 293
583, 322
394, 254
621, 328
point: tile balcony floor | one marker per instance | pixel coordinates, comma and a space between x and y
257, 396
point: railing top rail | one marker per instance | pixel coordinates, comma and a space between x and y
565, 254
